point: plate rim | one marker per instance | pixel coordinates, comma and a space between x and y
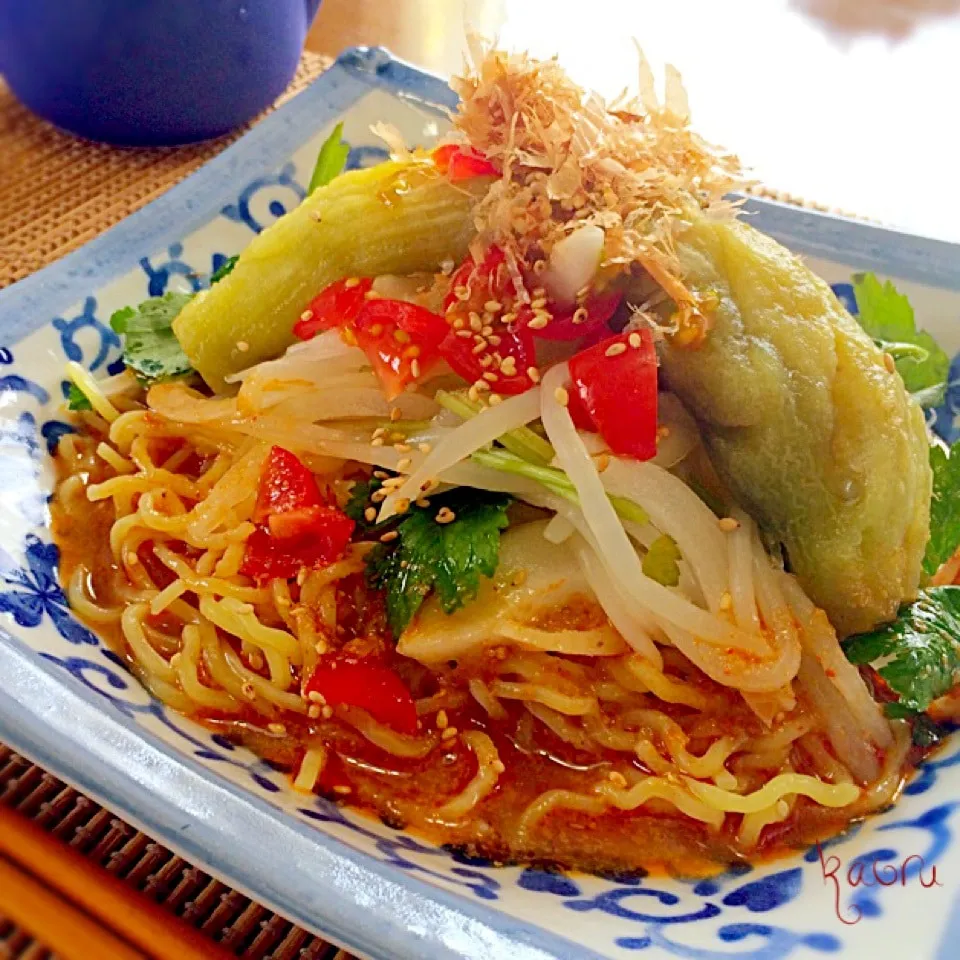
105, 774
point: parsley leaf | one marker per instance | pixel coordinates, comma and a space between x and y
223, 270
360, 499
77, 399
330, 161
150, 347
887, 317
920, 650
944, 508
660, 561
448, 558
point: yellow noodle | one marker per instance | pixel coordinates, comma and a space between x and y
826, 794
548, 802
561, 702
167, 595
311, 766
119, 463
187, 662
398, 744
151, 661
481, 693
659, 788
489, 768
81, 601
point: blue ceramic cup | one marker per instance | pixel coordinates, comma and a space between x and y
150, 72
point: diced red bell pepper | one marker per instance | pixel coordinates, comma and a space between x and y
295, 528
369, 684
619, 392
401, 339
600, 309
516, 341
462, 162
285, 484
335, 306
482, 282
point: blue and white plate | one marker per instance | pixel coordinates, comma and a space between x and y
66, 701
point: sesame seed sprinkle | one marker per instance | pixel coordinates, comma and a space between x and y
243, 346
561, 396
635, 340
615, 349
445, 515
388, 536
728, 524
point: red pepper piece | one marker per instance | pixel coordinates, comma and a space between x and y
619, 393
335, 306
369, 684
600, 309
296, 528
401, 340
462, 162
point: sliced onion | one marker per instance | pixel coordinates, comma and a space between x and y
609, 537
676, 510
471, 435
573, 263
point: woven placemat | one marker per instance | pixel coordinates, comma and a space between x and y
56, 193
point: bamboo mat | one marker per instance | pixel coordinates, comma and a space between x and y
56, 193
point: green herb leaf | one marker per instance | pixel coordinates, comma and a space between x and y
360, 500
944, 508
223, 270
926, 733
448, 558
77, 399
660, 561
330, 161
887, 317
920, 650
150, 347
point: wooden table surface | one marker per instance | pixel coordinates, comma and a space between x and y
850, 103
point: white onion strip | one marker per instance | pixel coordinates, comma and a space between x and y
616, 610
676, 510
608, 533
471, 435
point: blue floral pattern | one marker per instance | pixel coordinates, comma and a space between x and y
746, 912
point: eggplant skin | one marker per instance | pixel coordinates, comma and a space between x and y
810, 431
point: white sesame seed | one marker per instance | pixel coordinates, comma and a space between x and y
306, 315
728, 524
442, 721
404, 464
615, 349
445, 515
561, 396
243, 346
635, 340
534, 374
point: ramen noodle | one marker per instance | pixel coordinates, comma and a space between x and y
515, 492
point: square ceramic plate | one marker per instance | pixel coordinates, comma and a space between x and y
66, 702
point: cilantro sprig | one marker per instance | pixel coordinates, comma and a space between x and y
944, 508
446, 556
887, 316
77, 399
918, 655
150, 347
